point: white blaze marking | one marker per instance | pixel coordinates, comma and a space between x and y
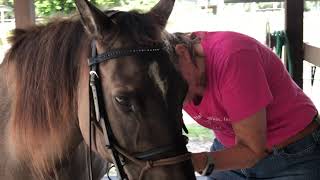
155, 75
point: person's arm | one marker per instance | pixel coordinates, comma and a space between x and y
249, 149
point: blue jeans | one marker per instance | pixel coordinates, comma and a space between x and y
297, 161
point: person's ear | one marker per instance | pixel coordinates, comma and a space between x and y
183, 52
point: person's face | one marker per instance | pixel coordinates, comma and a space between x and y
191, 72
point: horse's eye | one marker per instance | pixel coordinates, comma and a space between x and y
123, 101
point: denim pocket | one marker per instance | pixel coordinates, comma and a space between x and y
305, 146
312, 148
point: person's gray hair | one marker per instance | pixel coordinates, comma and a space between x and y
186, 39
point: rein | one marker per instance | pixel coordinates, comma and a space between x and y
99, 119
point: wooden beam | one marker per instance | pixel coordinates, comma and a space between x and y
312, 54
24, 13
294, 29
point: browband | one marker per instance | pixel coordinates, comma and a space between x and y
115, 53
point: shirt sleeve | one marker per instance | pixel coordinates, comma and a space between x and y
243, 85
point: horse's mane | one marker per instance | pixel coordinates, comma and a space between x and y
47, 64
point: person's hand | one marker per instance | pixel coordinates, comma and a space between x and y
199, 161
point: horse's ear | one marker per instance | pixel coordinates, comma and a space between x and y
162, 11
94, 20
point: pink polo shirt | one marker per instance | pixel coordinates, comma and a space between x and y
244, 76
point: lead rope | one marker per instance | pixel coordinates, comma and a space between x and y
150, 164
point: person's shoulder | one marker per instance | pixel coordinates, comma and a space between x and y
229, 42
220, 35
222, 47
234, 39
225, 34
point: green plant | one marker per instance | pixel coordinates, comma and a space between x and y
197, 132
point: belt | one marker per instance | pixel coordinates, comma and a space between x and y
313, 126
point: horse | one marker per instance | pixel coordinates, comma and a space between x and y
97, 87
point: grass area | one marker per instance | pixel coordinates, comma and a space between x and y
197, 132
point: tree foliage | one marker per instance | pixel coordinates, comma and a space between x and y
45, 8
50, 7
7, 2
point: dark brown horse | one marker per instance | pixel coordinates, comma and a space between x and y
45, 116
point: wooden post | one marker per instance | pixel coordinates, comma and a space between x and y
294, 28
24, 13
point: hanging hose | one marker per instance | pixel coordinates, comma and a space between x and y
289, 64
278, 40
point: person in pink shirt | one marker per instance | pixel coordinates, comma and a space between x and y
265, 126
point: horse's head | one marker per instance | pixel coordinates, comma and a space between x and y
138, 111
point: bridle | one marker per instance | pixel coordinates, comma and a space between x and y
99, 119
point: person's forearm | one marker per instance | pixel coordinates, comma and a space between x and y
251, 146
237, 157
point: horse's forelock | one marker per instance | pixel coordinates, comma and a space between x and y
135, 29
